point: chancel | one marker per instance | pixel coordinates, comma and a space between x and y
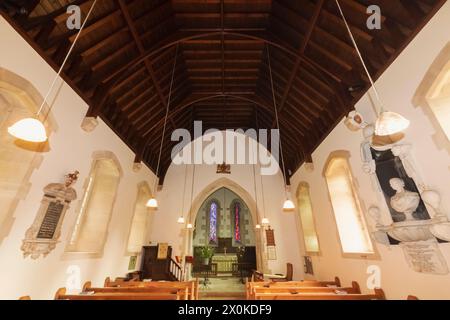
224, 150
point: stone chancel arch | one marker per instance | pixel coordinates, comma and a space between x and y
250, 205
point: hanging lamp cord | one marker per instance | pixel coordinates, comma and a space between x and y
192, 194
372, 83
58, 75
254, 183
184, 190
260, 175
254, 166
169, 99
277, 121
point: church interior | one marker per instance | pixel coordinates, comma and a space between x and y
224, 150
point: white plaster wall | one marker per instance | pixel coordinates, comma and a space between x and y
71, 149
397, 87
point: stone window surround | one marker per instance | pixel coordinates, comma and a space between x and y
145, 189
304, 184
344, 154
29, 96
427, 89
97, 155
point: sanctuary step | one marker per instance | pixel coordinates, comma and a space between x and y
222, 296
224, 288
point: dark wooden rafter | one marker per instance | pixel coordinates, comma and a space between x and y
307, 37
222, 42
147, 62
122, 64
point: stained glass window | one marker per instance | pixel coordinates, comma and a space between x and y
237, 222
213, 222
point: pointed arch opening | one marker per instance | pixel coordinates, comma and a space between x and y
248, 204
351, 225
433, 94
94, 214
140, 220
306, 214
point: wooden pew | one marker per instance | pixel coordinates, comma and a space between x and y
354, 289
304, 283
61, 295
182, 290
193, 285
301, 283
377, 295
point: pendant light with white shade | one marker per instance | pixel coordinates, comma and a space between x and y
388, 122
32, 129
288, 205
152, 202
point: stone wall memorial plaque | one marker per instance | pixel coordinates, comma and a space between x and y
51, 219
425, 256
43, 235
271, 248
270, 236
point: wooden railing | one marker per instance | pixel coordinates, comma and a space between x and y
175, 270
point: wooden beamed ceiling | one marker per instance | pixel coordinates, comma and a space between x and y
123, 62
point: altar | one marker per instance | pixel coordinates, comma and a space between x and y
224, 262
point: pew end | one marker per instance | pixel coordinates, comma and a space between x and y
355, 286
86, 286
107, 282
379, 293
197, 286
59, 293
337, 282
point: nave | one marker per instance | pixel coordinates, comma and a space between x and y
121, 289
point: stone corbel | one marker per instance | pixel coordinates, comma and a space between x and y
309, 167
89, 124
137, 166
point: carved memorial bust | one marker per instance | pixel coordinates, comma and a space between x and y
404, 201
